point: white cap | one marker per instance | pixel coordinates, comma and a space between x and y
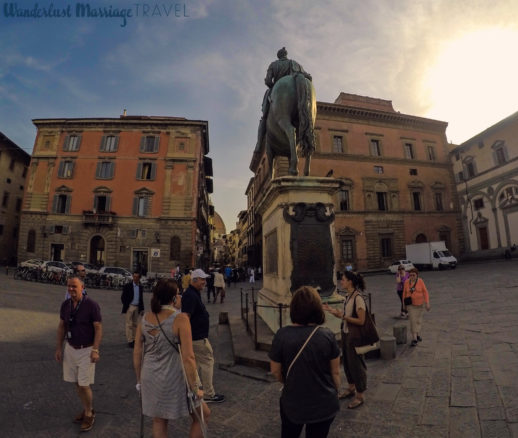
198, 273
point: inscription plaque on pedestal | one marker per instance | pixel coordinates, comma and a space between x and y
311, 246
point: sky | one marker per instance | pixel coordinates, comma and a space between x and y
449, 60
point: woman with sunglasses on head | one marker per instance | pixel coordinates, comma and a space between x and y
417, 299
401, 277
353, 313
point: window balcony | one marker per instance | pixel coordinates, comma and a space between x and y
99, 218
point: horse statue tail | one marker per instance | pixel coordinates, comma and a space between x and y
305, 131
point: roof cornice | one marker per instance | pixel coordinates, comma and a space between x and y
365, 114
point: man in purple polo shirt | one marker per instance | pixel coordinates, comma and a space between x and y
80, 330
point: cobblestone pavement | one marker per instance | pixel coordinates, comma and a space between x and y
461, 381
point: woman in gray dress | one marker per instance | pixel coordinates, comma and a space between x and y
158, 364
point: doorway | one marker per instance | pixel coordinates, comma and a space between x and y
140, 261
483, 238
56, 252
97, 254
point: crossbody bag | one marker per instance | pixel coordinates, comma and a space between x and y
301, 349
191, 396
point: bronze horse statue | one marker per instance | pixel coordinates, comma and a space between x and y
290, 121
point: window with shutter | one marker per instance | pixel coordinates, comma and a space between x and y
105, 170
338, 144
66, 169
72, 143
375, 147
109, 143
146, 171
149, 143
409, 151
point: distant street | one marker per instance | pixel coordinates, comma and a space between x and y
461, 381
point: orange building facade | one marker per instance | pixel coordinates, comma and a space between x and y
398, 183
130, 192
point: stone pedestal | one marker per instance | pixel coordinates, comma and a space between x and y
298, 240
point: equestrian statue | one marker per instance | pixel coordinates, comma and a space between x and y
289, 111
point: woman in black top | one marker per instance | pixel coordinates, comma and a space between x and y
311, 379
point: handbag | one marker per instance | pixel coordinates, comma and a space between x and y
364, 337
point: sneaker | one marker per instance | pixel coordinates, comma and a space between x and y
216, 398
403, 315
88, 423
419, 338
413, 343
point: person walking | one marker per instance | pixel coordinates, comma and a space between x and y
193, 306
158, 363
211, 288
401, 277
415, 300
132, 306
252, 276
353, 313
219, 284
80, 331
306, 359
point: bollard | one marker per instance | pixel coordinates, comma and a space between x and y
223, 318
399, 331
388, 347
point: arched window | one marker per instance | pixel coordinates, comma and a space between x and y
175, 249
31, 241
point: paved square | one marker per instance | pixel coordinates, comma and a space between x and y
461, 381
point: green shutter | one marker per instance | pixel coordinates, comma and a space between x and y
103, 143
67, 204
157, 143
108, 202
139, 170
65, 145
135, 206
55, 203
61, 169
143, 143
153, 171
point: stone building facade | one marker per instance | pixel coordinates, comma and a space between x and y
14, 163
398, 183
486, 173
130, 192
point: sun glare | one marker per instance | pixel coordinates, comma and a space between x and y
474, 82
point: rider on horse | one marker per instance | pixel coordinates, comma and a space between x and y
276, 70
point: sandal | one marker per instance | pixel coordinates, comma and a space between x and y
355, 404
347, 394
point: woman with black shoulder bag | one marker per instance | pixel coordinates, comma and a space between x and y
415, 300
353, 315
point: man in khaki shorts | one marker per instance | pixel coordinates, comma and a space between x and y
80, 331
